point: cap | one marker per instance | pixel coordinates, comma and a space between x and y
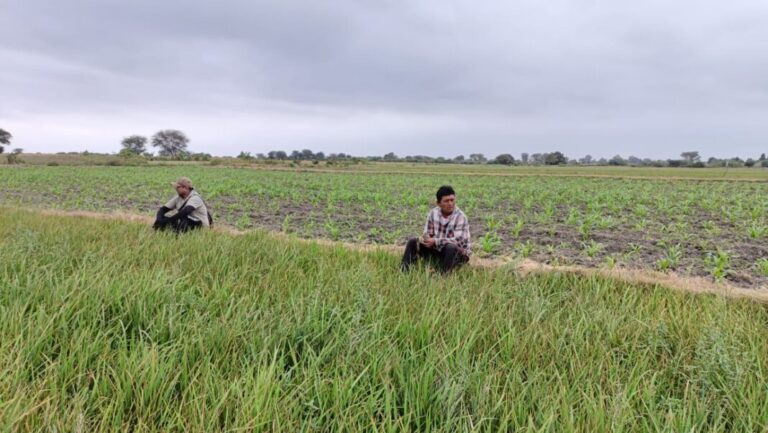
182, 181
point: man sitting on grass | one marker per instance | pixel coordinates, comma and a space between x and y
446, 235
186, 211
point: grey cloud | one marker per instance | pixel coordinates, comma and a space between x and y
583, 76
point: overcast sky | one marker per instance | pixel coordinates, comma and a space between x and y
648, 78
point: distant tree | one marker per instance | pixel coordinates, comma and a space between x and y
504, 159
524, 157
319, 156
691, 157
197, 156
676, 162
537, 158
715, 162
5, 138
245, 156
171, 142
586, 160
307, 154
749, 162
135, 144
477, 158
762, 157
633, 160
764, 163
555, 158
13, 157
418, 158
390, 157
338, 156
277, 154
617, 160
459, 158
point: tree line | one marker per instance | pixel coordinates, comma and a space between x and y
173, 144
687, 159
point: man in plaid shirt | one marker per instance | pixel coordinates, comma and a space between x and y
446, 237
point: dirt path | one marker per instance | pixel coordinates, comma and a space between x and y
635, 276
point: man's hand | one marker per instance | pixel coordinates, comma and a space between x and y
429, 242
158, 223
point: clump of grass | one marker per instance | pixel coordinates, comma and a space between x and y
489, 242
718, 263
717, 367
756, 230
592, 248
762, 266
524, 249
672, 256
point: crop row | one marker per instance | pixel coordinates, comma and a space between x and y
709, 228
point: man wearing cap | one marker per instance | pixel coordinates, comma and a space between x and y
186, 211
446, 238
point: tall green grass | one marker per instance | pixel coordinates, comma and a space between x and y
107, 326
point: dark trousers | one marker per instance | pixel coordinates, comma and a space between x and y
179, 225
448, 259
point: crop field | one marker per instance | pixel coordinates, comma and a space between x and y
716, 228
753, 174
108, 326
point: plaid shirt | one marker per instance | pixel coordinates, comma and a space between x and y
453, 229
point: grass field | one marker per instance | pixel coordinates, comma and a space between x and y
753, 174
108, 326
707, 228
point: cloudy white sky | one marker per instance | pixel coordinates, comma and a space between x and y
648, 78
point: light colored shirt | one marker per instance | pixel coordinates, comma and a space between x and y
193, 199
453, 229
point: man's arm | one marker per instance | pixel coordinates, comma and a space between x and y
183, 213
190, 206
429, 227
160, 217
161, 213
429, 231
